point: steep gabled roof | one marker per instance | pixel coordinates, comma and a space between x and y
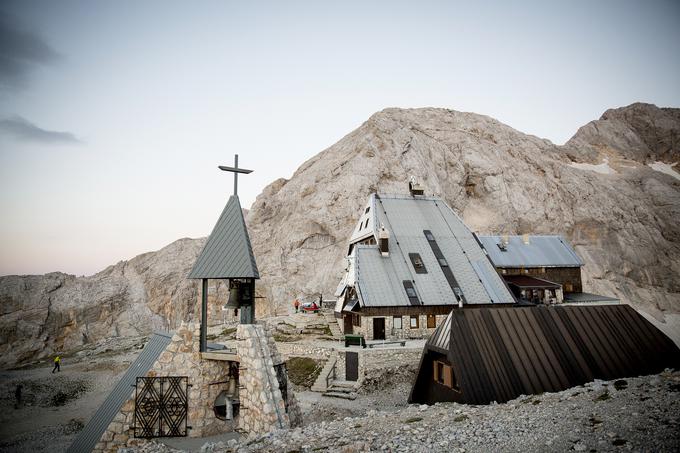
379, 279
541, 251
227, 253
499, 353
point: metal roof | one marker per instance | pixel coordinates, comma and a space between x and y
587, 298
501, 353
541, 251
440, 338
227, 252
92, 432
379, 280
525, 281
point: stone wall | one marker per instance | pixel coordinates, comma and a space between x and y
391, 333
374, 362
288, 350
262, 377
206, 377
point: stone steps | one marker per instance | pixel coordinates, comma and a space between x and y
342, 395
329, 315
320, 383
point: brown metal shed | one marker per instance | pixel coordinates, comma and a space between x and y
499, 353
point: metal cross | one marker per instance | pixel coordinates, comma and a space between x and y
236, 171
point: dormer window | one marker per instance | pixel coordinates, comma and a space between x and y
417, 262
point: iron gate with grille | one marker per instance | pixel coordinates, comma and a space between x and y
161, 406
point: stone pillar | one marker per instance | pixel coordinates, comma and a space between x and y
262, 377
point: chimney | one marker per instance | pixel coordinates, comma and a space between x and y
383, 240
525, 238
414, 188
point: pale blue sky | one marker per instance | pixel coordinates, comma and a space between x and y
149, 97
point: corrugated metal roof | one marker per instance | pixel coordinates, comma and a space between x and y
380, 279
227, 253
541, 251
440, 338
500, 353
92, 432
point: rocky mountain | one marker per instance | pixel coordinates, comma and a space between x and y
612, 190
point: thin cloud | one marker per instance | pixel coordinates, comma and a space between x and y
20, 51
23, 130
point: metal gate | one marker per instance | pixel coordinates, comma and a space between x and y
351, 366
161, 406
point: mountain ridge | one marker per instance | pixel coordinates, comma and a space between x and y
598, 190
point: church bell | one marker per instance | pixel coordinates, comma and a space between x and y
233, 300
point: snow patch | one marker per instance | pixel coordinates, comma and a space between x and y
602, 168
665, 168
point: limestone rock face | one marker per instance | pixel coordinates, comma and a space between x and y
41, 315
612, 191
620, 214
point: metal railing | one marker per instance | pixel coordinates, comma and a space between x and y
330, 377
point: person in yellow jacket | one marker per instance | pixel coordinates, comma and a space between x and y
57, 364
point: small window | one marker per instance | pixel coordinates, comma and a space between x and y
444, 374
368, 208
366, 225
417, 262
443, 262
411, 292
431, 321
414, 322
396, 322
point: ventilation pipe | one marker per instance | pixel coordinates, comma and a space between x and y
383, 241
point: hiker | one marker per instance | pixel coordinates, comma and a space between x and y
57, 364
296, 304
17, 396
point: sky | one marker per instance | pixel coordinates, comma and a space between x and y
115, 115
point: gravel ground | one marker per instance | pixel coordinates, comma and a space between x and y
638, 414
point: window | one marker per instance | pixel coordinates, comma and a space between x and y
356, 320
366, 225
368, 208
439, 372
428, 235
444, 374
411, 292
417, 262
414, 322
431, 321
396, 322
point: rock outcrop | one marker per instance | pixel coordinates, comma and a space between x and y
612, 190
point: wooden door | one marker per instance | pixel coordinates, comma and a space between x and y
347, 320
378, 328
351, 366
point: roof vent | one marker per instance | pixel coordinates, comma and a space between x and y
525, 239
414, 187
503, 244
383, 241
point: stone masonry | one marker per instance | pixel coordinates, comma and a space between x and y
206, 377
262, 403
262, 377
